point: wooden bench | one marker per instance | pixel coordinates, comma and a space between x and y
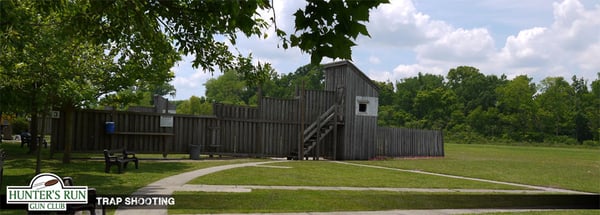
213, 149
26, 140
120, 158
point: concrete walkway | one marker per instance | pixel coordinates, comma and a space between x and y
249, 188
168, 185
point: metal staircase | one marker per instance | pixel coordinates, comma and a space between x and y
316, 132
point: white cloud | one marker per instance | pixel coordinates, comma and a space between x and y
569, 45
374, 60
523, 49
189, 81
459, 45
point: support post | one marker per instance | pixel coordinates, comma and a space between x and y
302, 112
335, 135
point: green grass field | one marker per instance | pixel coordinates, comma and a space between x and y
325, 173
568, 168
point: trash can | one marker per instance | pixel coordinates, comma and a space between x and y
194, 152
109, 127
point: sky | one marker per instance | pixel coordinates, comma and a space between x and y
538, 38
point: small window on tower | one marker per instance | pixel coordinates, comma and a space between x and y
362, 107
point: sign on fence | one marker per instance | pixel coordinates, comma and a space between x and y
166, 121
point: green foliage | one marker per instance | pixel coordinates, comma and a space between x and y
323, 28
49, 63
473, 107
19, 125
227, 88
241, 87
195, 106
329, 28
591, 143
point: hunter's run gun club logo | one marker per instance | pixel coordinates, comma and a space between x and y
47, 192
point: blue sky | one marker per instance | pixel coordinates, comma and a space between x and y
538, 38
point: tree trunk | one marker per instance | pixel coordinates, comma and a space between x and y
33, 126
38, 160
69, 114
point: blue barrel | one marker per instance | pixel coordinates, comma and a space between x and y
109, 127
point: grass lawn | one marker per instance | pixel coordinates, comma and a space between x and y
324, 173
568, 168
19, 169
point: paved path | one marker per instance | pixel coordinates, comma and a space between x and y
249, 188
168, 185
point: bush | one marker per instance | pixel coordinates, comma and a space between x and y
591, 143
466, 137
561, 140
19, 125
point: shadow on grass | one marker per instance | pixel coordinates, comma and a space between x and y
19, 169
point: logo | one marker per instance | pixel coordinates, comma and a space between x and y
46, 192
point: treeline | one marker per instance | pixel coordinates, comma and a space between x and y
232, 87
468, 105
472, 106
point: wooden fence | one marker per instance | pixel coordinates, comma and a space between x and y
271, 129
407, 142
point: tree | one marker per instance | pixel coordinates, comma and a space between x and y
51, 67
195, 106
583, 99
322, 29
386, 93
516, 105
435, 106
557, 101
329, 28
484, 121
227, 88
593, 110
472, 88
407, 89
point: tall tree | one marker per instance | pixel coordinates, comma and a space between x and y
516, 105
593, 110
557, 101
583, 99
52, 67
323, 28
407, 89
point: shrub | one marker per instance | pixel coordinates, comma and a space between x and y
561, 140
19, 125
591, 143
